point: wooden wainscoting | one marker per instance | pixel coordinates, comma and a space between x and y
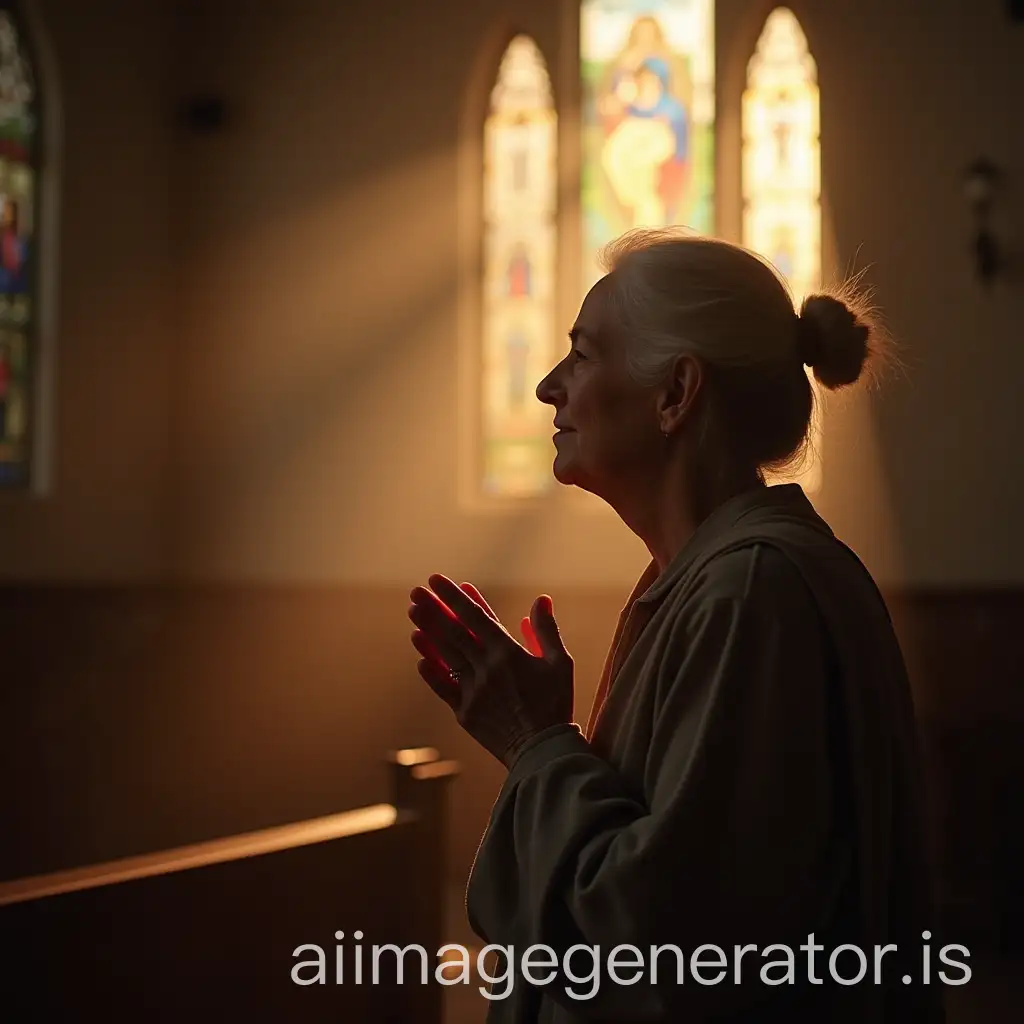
137, 719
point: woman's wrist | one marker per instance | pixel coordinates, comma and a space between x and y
530, 739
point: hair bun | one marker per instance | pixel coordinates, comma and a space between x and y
832, 340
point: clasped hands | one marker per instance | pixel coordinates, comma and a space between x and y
502, 693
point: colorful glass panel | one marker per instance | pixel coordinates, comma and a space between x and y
782, 176
647, 119
18, 214
520, 247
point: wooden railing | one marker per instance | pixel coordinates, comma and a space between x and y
208, 932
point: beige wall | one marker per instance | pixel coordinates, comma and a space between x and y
259, 329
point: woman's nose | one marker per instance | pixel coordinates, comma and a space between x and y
549, 389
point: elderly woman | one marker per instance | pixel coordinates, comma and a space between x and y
736, 836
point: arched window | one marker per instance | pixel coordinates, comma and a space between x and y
19, 143
647, 138
520, 249
647, 119
782, 173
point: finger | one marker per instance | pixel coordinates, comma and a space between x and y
532, 644
423, 596
479, 598
439, 681
436, 643
446, 631
452, 662
469, 613
426, 647
542, 618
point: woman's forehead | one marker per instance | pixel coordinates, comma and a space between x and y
594, 315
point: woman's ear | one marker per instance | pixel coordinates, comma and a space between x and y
678, 399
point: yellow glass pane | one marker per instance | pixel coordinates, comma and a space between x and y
520, 203
782, 176
647, 119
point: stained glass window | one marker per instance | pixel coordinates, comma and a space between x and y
782, 173
647, 118
520, 245
18, 214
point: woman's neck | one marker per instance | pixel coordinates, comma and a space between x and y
677, 504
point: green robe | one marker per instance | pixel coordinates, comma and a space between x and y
749, 776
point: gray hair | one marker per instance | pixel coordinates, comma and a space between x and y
677, 293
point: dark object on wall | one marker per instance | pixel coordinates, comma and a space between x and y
203, 114
980, 182
1016, 8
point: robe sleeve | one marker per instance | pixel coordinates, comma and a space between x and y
731, 840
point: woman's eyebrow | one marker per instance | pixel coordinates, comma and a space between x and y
589, 338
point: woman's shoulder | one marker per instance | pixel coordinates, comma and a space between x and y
751, 571
742, 599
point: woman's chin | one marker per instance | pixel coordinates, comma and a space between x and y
564, 470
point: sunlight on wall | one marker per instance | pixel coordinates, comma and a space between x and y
520, 248
647, 119
782, 177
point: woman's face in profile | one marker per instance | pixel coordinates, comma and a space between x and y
605, 421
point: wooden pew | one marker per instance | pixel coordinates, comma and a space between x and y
207, 932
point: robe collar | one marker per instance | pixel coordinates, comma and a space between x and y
786, 501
